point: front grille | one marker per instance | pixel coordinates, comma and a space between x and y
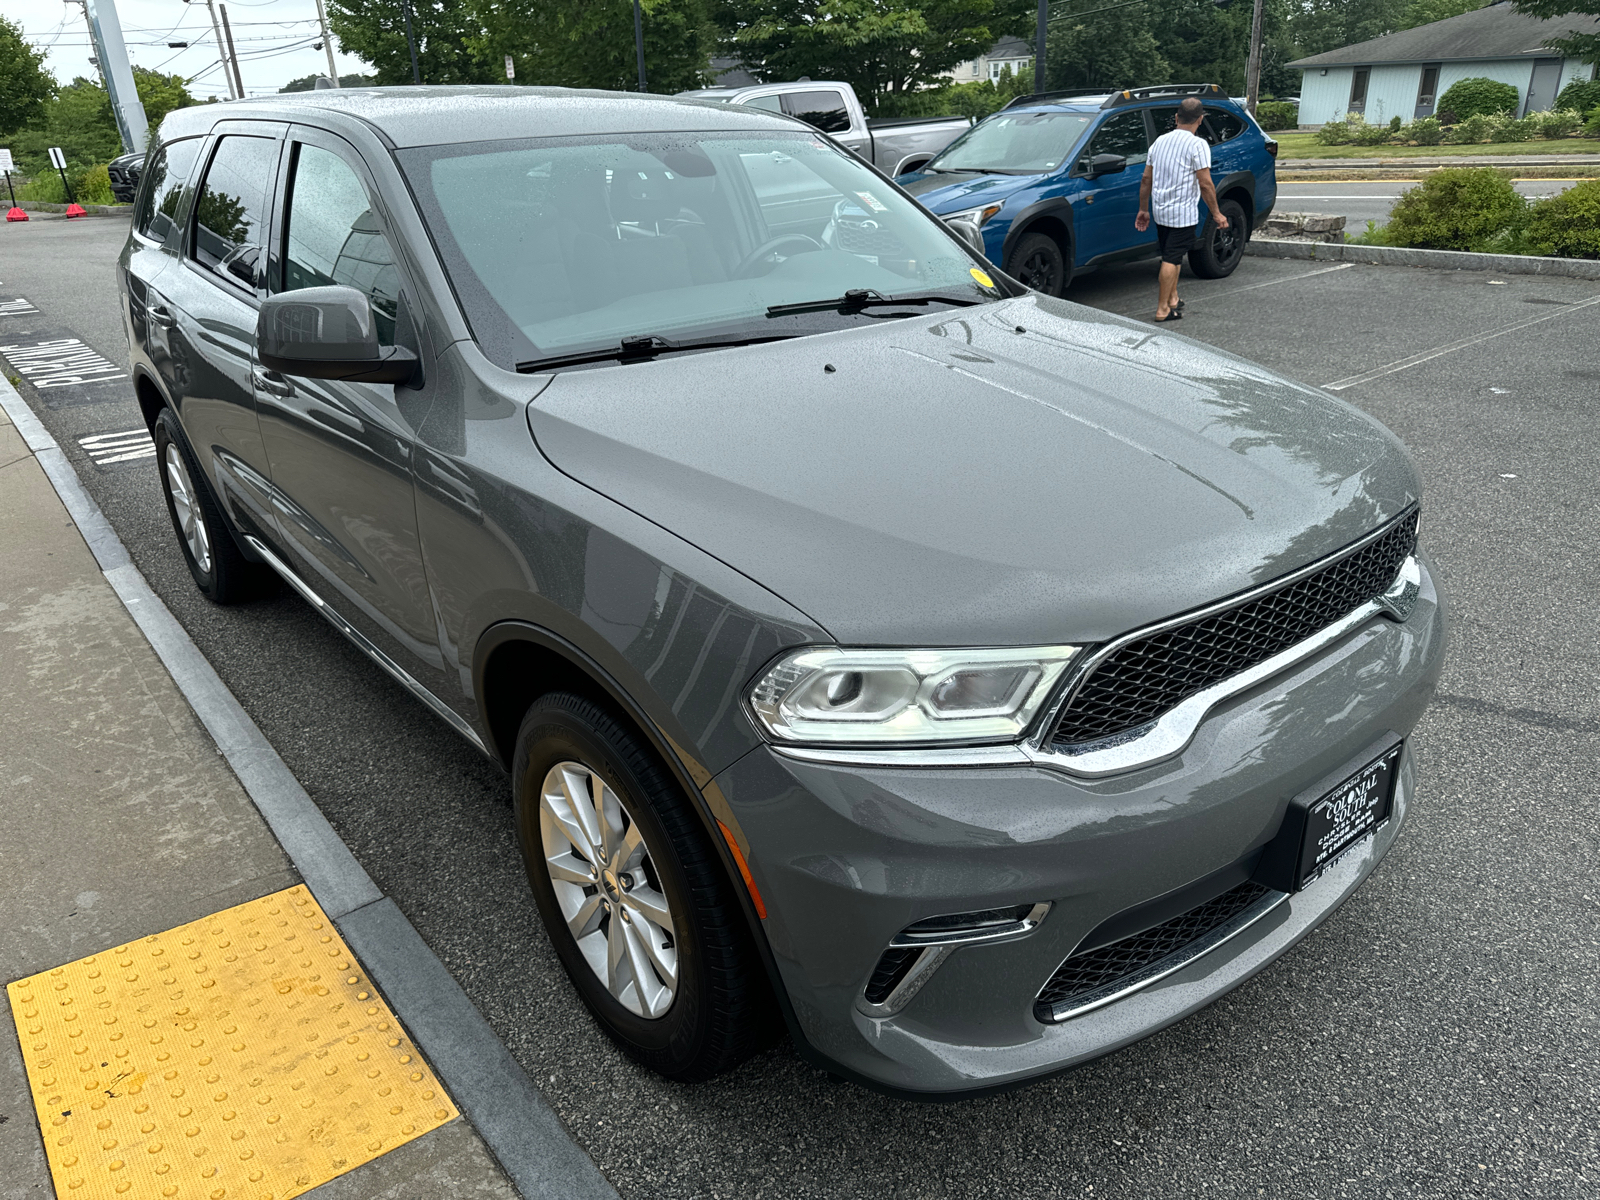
1143, 679
1093, 970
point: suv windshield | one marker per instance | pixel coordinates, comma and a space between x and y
1027, 143
562, 246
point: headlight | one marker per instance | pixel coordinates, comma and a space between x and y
829, 694
969, 224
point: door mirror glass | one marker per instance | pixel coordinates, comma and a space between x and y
327, 333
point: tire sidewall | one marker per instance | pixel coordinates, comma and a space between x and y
1030, 243
554, 732
1204, 260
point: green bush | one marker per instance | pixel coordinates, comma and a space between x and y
1510, 130
1471, 97
1371, 135
1425, 131
1471, 131
1591, 127
1275, 115
1460, 208
1559, 123
1395, 124
1334, 133
44, 187
1567, 224
93, 186
1580, 95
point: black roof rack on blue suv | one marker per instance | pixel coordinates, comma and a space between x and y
1126, 96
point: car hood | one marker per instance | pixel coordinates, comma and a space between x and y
1025, 472
941, 192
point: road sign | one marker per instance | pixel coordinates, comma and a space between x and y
5, 161
511, 70
58, 160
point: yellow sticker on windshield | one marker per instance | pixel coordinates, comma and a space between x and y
982, 278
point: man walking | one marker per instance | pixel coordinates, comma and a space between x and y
1176, 176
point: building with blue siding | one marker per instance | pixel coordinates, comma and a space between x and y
1403, 74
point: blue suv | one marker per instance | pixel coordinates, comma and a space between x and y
1048, 187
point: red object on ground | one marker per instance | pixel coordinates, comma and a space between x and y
16, 214
76, 210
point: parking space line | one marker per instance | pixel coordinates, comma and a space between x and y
1339, 385
1250, 287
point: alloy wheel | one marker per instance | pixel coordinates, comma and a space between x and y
186, 504
1039, 273
1228, 244
606, 885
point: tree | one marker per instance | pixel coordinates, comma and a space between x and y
1425, 12
78, 120
25, 85
879, 47
160, 94
1585, 46
589, 43
308, 83
1105, 51
1323, 25
448, 34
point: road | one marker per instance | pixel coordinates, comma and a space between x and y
1437, 1037
1367, 201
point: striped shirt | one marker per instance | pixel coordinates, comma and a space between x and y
1174, 191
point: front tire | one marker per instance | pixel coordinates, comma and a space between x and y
1219, 251
1038, 262
221, 571
632, 894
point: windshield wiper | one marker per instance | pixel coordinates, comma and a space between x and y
857, 299
642, 349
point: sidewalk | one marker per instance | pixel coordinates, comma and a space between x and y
122, 821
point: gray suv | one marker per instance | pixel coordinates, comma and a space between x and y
966, 681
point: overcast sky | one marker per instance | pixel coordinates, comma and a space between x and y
274, 39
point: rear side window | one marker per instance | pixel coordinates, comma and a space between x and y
823, 109
232, 206
1220, 126
333, 238
165, 176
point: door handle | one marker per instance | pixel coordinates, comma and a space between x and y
271, 382
161, 315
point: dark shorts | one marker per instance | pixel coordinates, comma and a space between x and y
1175, 241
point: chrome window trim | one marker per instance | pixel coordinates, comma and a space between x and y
1172, 963
1169, 734
938, 947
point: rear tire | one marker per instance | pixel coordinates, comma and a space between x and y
651, 937
1217, 251
221, 571
1037, 262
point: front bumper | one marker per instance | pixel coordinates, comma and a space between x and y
847, 857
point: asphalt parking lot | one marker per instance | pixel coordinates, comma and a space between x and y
1438, 1036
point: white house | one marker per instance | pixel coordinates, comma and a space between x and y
1007, 52
1403, 74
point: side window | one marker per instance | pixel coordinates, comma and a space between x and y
825, 109
1123, 134
773, 103
168, 171
1220, 126
331, 236
232, 205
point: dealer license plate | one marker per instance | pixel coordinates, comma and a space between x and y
1348, 814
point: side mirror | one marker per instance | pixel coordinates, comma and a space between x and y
1106, 164
328, 333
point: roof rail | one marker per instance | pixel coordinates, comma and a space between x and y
1044, 97
1135, 95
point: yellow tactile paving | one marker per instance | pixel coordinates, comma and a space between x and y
244, 1056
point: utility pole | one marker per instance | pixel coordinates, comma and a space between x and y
1252, 73
327, 43
638, 43
1038, 45
233, 55
216, 36
111, 54
411, 42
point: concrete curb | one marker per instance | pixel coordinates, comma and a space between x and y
507, 1109
1437, 260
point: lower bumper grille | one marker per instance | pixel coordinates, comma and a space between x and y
1094, 977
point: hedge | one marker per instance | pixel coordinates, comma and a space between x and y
1477, 95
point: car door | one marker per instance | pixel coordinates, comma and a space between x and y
1109, 203
204, 308
157, 240
340, 454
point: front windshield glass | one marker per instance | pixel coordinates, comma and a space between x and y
1029, 142
565, 246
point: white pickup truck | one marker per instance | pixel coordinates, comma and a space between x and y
894, 145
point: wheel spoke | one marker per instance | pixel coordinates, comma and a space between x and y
630, 849
578, 815
662, 956
653, 997
618, 974
587, 919
569, 868
650, 905
605, 839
